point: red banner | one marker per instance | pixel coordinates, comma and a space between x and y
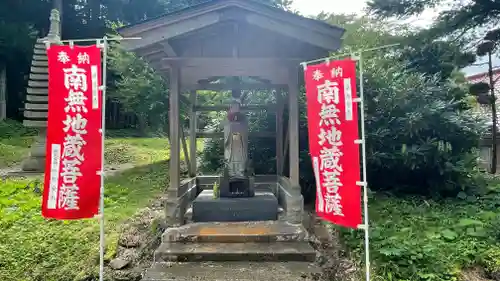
333, 131
74, 141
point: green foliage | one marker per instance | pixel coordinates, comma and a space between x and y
138, 88
479, 88
485, 48
415, 239
417, 49
420, 133
456, 20
491, 259
434, 57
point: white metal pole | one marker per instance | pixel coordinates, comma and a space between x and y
103, 135
363, 153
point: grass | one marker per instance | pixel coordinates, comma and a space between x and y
417, 239
15, 141
35, 249
139, 151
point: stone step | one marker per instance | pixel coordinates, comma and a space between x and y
273, 251
233, 271
236, 232
189, 212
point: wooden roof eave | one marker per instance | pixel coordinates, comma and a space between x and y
154, 31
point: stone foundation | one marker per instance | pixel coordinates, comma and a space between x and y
262, 207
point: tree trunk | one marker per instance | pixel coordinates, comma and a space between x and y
3, 91
142, 123
95, 13
494, 117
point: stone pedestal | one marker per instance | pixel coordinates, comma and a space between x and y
237, 187
35, 162
262, 207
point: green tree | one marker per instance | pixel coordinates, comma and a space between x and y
458, 19
138, 88
416, 50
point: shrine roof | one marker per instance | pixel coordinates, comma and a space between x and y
157, 32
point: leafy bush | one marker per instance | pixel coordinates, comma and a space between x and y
416, 239
421, 135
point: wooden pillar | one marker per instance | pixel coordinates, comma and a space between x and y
174, 167
192, 133
279, 132
293, 125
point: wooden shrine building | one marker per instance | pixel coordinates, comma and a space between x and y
232, 38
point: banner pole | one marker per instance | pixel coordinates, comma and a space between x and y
103, 126
361, 103
363, 153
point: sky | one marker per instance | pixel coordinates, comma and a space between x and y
314, 7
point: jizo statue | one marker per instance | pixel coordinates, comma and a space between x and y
236, 140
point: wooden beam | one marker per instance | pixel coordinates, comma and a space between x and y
293, 124
191, 75
237, 62
150, 50
250, 107
220, 135
168, 49
192, 132
195, 69
153, 58
313, 37
229, 86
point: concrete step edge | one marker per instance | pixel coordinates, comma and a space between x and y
267, 231
241, 271
275, 251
